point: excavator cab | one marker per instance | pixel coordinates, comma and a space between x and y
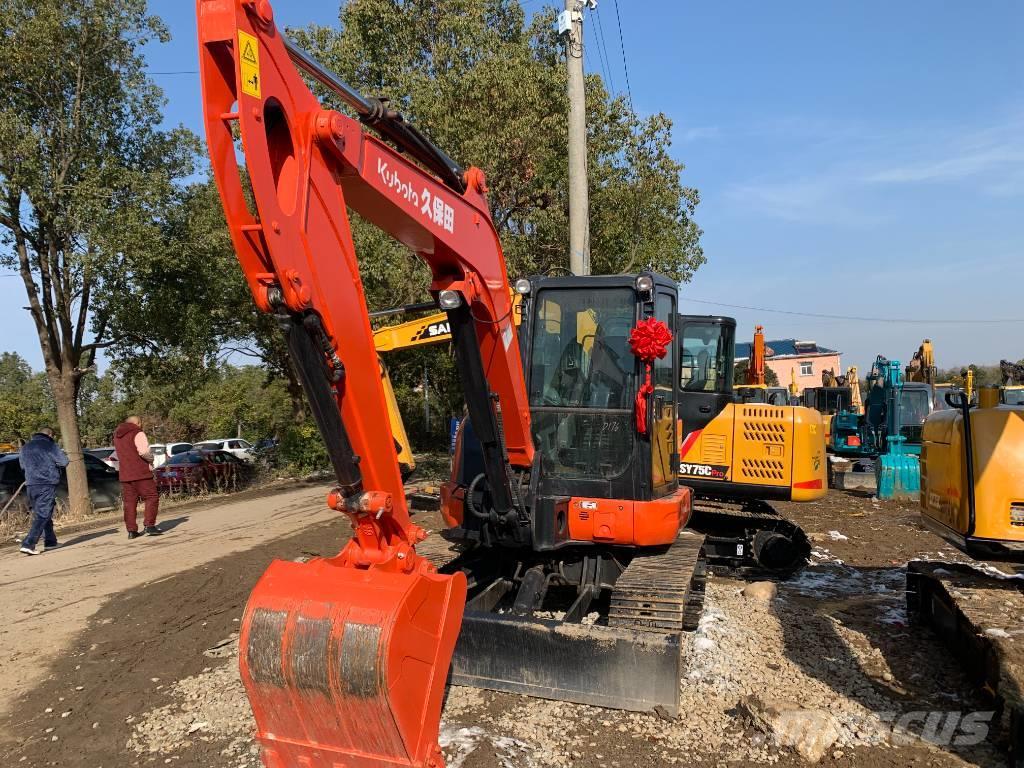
582, 380
708, 347
602, 535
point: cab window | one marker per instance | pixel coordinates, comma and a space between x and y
707, 357
581, 355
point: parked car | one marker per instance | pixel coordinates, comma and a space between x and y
104, 487
240, 449
199, 470
265, 451
163, 451
107, 455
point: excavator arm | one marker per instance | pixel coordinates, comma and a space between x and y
755, 366
344, 659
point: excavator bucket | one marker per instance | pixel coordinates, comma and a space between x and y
898, 473
347, 667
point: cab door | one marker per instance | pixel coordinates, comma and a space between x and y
706, 346
663, 432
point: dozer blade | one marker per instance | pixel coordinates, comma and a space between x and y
601, 666
347, 667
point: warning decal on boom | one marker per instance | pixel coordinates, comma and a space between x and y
249, 62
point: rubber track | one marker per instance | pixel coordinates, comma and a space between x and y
713, 517
656, 592
664, 591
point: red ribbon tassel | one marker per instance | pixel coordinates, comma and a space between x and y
649, 341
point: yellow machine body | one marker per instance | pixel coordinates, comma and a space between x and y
421, 332
758, 451
997, 433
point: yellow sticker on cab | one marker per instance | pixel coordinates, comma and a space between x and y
249, 59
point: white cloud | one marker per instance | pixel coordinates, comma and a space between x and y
792, 200
990, 157
698, 133
947, 169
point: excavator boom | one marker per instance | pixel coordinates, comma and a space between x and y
755, 366
344, 659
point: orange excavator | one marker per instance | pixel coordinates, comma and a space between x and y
754, 388
566, 502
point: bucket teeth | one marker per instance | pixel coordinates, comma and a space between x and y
346, 667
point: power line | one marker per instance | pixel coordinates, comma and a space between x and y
174, 72
602, 49
622, 48
913, 321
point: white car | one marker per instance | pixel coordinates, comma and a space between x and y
240, 449
164, 451
107, 455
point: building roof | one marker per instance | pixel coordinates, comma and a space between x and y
779, 348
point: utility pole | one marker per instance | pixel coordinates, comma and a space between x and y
570, 26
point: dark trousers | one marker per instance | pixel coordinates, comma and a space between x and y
131, 492
42, 499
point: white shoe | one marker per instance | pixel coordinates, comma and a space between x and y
28, 551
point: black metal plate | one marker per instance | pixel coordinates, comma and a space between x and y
596, 665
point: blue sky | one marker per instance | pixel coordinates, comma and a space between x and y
857, 159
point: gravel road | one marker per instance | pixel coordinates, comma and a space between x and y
152, 678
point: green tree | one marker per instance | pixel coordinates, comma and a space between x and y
85, 176
235, 401
194, 306
489, 87
101, 407
25, 401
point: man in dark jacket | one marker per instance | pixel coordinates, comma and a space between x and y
134, 460
41, 459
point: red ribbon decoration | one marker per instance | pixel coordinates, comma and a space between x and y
649, 341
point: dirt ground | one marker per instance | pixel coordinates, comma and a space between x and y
151, 679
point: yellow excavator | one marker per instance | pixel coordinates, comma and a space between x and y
972, 495
972, 489
738, 453
420, 332
922, 365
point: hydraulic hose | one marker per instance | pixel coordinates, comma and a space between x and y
470, 505
961, 401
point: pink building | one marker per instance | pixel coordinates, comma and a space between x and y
802, 361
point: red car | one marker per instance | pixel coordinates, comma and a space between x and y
200, 471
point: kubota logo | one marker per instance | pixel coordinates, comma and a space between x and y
432, 207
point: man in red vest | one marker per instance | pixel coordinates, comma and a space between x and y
136, 474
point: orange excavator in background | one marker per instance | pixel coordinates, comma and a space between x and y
754, 388
755, 371
567, 492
